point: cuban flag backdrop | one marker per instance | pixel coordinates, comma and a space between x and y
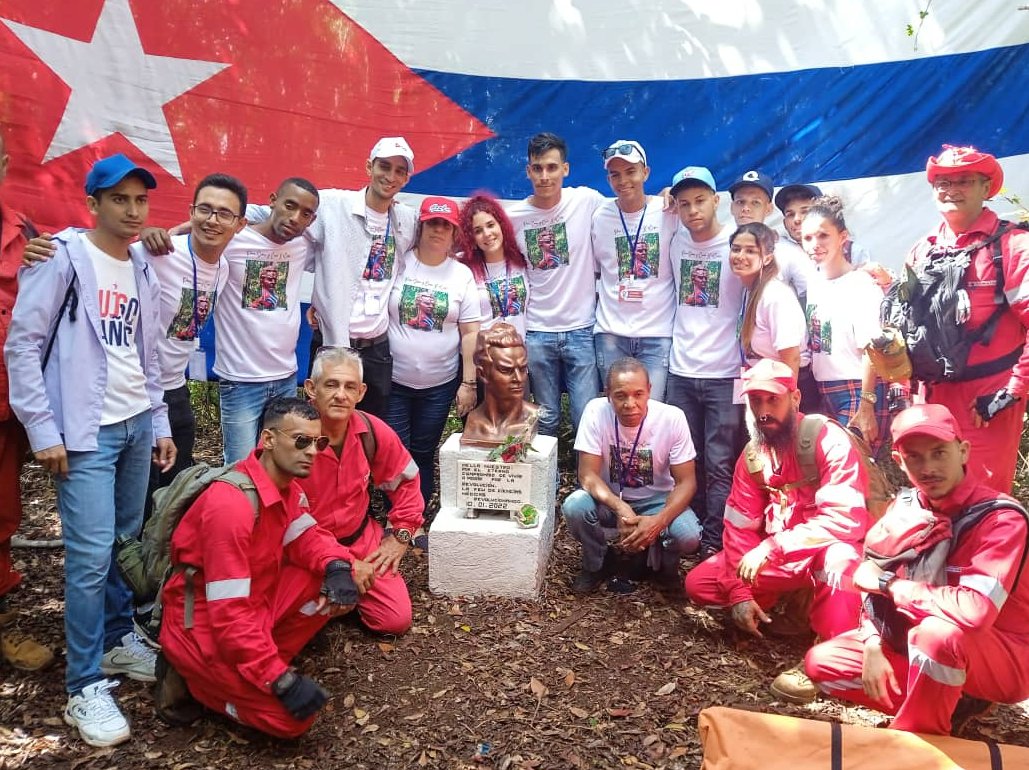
825, 91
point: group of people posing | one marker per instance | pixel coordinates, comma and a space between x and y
651, 295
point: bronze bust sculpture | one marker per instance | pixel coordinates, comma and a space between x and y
502, 365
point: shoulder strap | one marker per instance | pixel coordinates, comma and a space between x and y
70, 304
974, 514
244, 484
369, 441
807, 440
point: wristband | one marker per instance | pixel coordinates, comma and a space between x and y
469, 384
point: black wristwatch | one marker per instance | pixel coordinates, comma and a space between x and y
284, 682
885, 580
402, 536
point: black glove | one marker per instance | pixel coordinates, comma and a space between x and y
990, 405
301, 695
339, 586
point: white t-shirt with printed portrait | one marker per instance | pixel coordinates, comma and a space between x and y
504, 297
842, 318
178, 303
425, 306
556, 243
118, 301
637, 291
257, 318
779, 323
709, 297
664, 440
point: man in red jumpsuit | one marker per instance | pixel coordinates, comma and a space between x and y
252, 611
969, 635
782, 534
338, 488
18, 650
988, 404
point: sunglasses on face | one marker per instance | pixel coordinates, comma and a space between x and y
303, 441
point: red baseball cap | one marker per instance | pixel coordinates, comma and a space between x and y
933, 420
436, 207
954, 160
769, 376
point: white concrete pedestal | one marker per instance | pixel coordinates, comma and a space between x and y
491, 555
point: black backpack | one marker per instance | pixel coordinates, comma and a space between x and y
925, 307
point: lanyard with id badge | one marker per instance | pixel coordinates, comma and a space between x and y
625, 468
373, 296
197, 367
628, 291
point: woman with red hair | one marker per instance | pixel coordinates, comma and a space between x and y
490, 250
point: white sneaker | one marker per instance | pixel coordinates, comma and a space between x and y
133, 657
97, 716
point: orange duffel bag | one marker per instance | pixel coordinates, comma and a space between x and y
747, 740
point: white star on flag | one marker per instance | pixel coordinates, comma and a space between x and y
116, 87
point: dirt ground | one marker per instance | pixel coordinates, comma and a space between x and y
602, 682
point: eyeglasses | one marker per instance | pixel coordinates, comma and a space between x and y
204, 212
326, 349
961, 183
303, 441
623, 149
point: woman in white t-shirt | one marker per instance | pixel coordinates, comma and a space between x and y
843, 316
772, 322
434, 318
490, 251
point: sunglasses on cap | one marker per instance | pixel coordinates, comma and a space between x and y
303, 441
628, 148
324, 349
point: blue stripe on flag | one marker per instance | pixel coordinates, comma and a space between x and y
825, 124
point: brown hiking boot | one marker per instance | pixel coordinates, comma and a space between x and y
794, 686
23, 652
172, 700
790, 617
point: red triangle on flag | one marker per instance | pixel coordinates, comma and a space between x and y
294, 88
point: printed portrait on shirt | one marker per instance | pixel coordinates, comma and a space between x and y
506, 298
381, 257
119, 315
183, 325
643, 262
698, 282
639, 474
547, 246
819, 332
423, 309
264, 287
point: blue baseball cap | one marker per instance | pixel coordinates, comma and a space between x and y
107, 172
692, 174
754, 179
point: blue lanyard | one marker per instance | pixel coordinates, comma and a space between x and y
507, 289
632, 241
197, 326
624, 468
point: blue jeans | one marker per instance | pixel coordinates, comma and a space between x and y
652, 352
594, 526
242, 404
101, 497
556, 359
716, 424
418, 415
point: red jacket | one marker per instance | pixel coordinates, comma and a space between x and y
12, 245
239, 558
338, 486
981, 570
807, 519
1012, 328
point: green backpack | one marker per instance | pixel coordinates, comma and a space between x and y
145, 562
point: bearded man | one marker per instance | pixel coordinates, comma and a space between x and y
783, 533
